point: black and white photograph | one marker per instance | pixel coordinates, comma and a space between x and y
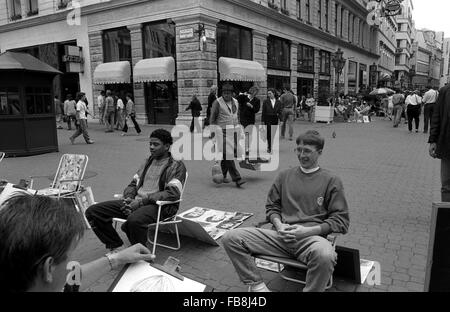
194, 136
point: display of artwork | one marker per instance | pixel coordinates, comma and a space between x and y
142, 277
214, 222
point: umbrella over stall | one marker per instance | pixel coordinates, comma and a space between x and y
382, 91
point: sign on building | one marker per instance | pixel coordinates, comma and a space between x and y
187, 33
74, 59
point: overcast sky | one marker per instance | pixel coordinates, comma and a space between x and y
432, 14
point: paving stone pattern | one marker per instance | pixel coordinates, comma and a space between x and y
390, 183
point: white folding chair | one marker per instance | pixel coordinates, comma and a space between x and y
168, 221
68, 178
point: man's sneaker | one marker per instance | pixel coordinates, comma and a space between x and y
261, 287
90, 142
226, 180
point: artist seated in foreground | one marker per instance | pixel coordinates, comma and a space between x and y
38, 238
159, 178
304, 204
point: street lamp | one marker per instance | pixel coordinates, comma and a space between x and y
338, 63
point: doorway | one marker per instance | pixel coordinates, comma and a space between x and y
161, 102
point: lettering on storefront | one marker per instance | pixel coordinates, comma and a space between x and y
187, 33
188, 83
74, 59
209, 83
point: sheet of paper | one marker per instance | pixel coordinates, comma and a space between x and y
159, 280
366, 267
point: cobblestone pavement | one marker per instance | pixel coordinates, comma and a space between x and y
390, 183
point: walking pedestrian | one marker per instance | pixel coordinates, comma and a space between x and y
70, 111
249, 106
109, 112
440, 139
82, 112
287, 100
429, 101
101, 107
398, 99
196, 107
131, 113
211, 98
414, 108
119, 114
224, 113
271, 114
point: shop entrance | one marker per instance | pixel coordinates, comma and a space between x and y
161, 102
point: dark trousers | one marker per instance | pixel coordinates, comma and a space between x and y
427, 114
100, 218
413, 113
136, 125
228, 165
271, 121
445, 179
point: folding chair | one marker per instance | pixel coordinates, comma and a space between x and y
292, 267
168, 221
2, 155
68, 177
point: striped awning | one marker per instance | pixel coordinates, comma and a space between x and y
155, 69
112, 73
241, 70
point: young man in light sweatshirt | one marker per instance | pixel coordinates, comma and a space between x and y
304, 205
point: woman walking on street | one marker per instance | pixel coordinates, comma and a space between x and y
82, 112
130, 112
195, 108
70, 111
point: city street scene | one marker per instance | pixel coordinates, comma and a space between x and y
224, 146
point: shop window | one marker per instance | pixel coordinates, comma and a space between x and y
116, 45
325, 63
38, 100
15, 10
305, 87
305, 58
278, 83
234, 41
9, 101
279, 53
159, 40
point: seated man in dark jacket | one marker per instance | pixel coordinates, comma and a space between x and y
159, 178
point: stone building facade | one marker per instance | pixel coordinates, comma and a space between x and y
293, 41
